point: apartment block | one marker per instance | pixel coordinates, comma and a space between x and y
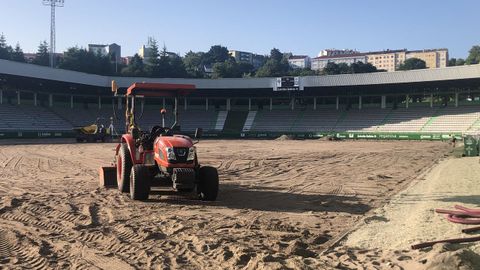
434, 58
299, 61
319, 63
389, 60
247, 57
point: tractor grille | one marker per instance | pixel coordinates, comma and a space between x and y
181, 153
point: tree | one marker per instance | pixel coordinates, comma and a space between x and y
331, 69
302, 72
360, 67
152, 59
135, 68
226, 69
163, 69
276, 66
473, 56
216, 54
161, 63
231, 69
246, 69
275, 54
413, 63
5, 50
452, 62
343, 68
460, 62
42, 56
193, 63
79, 59
17, 54
176, 67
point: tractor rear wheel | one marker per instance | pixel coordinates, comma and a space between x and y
124, 166
139, 182
208, 183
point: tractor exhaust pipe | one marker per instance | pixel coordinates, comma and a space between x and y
175, 113
163, 111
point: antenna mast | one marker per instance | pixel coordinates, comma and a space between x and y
53, 4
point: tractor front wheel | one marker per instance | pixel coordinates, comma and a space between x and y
139, 182
208, 183
124, 166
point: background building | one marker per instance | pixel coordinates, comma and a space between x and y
434, 58
388, 60
144, 52
319, 63
114, 50
29, 57
247, 57
242, 57
299, 61
98, 49
126, 60
335, 52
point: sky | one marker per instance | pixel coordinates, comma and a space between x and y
302, 27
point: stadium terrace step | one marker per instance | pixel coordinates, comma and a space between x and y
414, 119
221, 118
235, 121
249, 121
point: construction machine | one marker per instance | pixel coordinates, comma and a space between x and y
160, 156
92, 133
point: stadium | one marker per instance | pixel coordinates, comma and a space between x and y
420, 104
301, 203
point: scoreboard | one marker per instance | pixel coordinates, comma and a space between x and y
287, 84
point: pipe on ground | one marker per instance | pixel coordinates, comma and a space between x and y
451, 241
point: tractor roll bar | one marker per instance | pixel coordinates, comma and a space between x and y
152, 90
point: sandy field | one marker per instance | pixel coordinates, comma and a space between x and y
282, 205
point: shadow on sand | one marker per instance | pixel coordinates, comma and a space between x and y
269, 199
470, 199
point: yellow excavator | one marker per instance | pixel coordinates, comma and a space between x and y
93, 133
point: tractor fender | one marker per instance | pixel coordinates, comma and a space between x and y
117, 148
128, 139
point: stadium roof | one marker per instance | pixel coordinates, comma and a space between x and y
379, 78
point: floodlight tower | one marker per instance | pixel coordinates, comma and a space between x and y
53, 4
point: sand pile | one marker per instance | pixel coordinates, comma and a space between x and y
387, 234
444, 256
285, 138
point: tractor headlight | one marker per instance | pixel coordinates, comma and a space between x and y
170, 153
191, 153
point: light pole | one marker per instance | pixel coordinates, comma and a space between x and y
53, 4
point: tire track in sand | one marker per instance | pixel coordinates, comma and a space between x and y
30, 259
96, 239
28, 220
5, 247
27, 258
104, 262
46, 211
127, 235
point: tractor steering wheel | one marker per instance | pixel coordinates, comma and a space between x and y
157, 131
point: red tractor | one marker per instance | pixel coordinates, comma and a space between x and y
160, 156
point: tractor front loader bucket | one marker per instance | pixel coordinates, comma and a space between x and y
108, 176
